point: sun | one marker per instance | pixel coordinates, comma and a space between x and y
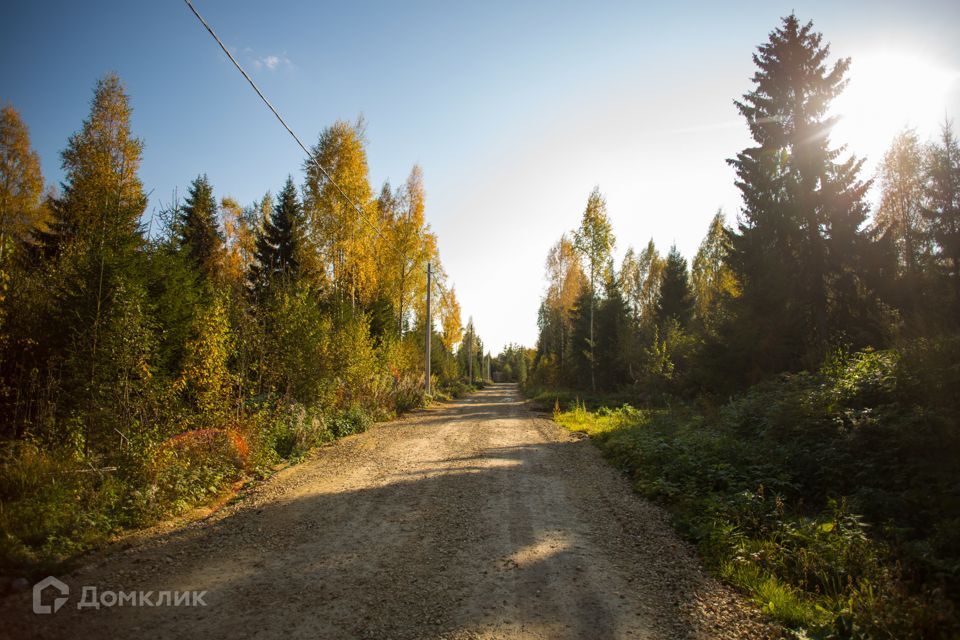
886, 93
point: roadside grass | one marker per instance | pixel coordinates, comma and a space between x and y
829, 499
56, 504
566, 399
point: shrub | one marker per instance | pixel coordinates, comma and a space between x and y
195, 464
353, 420
830, 498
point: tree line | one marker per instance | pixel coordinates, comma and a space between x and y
790, 394
179, 350
801, 273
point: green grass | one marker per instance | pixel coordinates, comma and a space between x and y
829, 499
775, 598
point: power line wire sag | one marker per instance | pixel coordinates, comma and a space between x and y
306, 151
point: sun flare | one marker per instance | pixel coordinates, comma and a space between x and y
888, 92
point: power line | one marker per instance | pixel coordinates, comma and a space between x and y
309, 155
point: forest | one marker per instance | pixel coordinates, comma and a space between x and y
790, 394
150, 363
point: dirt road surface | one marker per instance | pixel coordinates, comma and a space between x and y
473, 519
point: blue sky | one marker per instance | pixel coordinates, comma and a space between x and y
514, 110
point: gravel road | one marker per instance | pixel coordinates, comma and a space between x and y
472, 519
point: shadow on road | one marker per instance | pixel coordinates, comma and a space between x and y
492, 540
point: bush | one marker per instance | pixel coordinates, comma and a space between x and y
353, 420
195, 464
53, 506
830, 498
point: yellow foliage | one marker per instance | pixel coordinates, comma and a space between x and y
239, 243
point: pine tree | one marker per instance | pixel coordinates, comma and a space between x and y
798, 247
280, 244
468, 349
675, 300
582, 373
198, 229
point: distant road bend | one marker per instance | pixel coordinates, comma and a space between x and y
472, 519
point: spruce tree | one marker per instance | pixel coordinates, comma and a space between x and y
674, 300
798, 247
613, 325
90, 324
581, 362
280, 243
198, 230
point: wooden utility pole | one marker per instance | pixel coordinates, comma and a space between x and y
470, 356
426, 384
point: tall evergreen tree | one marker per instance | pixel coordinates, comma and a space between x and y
198, 229
675, 300
90, 324
797, 251
613, 324
280, 243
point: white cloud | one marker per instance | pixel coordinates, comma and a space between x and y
271, 62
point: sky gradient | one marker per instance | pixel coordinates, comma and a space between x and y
514, 112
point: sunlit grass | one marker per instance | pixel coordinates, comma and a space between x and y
773, 596
595, 423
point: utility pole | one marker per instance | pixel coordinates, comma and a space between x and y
470, 357
426, 384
